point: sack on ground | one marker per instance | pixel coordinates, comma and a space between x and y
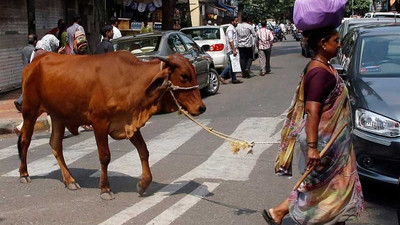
314, 14
80, 42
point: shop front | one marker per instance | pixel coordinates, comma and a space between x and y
133, 13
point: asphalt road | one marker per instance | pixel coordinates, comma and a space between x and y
196, 178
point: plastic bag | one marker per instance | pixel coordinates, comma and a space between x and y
314, 14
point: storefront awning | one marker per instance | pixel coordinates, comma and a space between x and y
225, 6
216, 7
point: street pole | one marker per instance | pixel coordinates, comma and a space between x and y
352, 7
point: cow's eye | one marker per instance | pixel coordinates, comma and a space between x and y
184, 76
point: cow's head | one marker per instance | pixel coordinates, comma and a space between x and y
183, 76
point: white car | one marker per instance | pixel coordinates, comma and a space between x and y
214, 36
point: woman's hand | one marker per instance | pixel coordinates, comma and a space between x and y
313, 158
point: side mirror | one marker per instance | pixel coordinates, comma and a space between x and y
341, 70
205, 48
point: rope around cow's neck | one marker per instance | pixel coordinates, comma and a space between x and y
236, 143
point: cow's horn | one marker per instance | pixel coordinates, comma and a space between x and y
163, 58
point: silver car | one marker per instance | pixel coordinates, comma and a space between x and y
148, 46
214, 36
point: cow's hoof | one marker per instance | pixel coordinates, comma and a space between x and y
107, 195
73, 186
25, 179
139, 189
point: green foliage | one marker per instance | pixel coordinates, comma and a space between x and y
257, 10
360, 7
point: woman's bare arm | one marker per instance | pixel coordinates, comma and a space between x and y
312, 110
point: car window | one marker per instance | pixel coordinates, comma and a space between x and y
380, 55
203, 33
190, 45
139, 45
347, 44
175, 44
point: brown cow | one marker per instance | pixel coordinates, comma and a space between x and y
115, 93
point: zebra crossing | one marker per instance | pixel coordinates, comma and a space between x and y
220, 166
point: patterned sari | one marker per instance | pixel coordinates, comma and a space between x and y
331, 193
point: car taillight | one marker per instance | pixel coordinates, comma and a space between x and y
216, 47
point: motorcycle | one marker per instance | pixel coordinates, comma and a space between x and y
278, 34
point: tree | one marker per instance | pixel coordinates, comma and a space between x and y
359, 7
257, 10
168, 10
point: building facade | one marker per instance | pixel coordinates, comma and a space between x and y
21, 17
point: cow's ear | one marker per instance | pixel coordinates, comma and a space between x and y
159, 83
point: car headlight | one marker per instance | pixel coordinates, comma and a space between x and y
377, 124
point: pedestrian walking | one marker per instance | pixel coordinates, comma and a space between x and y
232, 43
264, 40
49, 43
331, 193
246, 35
105, 45
26, 58
72, 32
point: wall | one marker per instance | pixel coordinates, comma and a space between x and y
47, 13
13, 37
14, 34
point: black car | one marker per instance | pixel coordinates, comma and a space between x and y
370, 59
163, 43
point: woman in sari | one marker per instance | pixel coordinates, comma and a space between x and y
331, 193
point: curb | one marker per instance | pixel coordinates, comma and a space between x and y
8, 127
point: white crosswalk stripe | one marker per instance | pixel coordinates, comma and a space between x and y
220, 165
159, 147
48, 164
13, 150
176, 210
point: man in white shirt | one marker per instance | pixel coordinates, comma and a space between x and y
246, 35
232, 43
114, 23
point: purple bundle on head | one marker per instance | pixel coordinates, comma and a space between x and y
314, 14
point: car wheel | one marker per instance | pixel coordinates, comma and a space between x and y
213, 82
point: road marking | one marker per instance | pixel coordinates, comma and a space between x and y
233, 167
13, 149
179, 208
159, 147
226, 166
48, 164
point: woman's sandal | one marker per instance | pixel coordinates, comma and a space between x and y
268, 218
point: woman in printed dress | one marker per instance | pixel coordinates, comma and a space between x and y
331, 193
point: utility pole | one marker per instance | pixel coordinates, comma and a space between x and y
352, 7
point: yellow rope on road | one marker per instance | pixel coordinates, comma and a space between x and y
236, 143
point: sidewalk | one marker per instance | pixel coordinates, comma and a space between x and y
10, 117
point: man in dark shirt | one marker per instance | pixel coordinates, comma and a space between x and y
105, 45
26, 56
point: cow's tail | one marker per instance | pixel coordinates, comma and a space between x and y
19, 146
